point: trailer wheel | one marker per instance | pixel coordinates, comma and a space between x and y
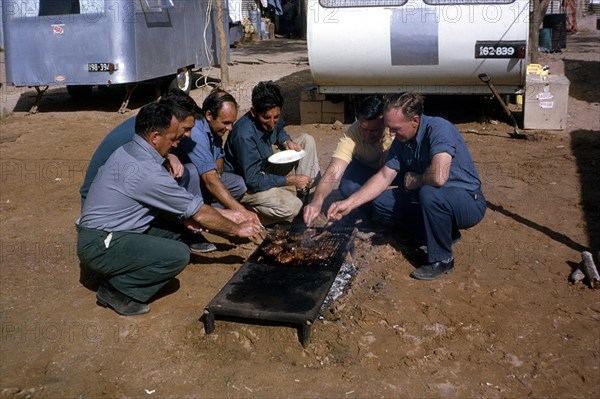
79, 92
182, 80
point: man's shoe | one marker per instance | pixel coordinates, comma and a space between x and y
434, 270
202, 247
108, 296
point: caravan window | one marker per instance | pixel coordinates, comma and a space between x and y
36, 8
156, 5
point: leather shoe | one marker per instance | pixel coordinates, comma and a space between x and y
434, 270
202, 247
108, 296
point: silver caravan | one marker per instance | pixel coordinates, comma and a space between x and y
82, 43
431, 46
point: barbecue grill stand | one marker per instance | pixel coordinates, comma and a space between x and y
263, 290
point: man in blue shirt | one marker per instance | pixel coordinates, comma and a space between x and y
187, 112
442, 190
204, 149
116, 237
272, 189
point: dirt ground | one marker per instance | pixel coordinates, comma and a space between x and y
505, 324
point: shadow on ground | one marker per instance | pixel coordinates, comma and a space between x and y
582, 74
585, 146
102, 98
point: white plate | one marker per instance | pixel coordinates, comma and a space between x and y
287, 156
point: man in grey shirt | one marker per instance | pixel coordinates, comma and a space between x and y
115, 237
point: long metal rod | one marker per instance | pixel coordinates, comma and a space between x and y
485, 78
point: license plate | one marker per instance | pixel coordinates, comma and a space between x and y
101, 67
499, 49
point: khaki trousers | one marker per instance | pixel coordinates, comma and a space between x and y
281, 204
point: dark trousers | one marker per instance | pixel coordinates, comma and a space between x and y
355, 176
433, 213
136, 264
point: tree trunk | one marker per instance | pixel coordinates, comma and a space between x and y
223, 45
536, 16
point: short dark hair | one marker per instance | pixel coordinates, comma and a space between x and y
266, 95
183, 104
215, 100
411, 104
153, 117
370, 108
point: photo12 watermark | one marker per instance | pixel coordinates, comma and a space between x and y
80, 331
42, 170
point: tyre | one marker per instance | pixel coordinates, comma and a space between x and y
79, 92
182, 80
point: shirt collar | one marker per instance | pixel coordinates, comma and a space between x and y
421, 129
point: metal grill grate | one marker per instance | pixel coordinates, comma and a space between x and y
264, 289
323, 242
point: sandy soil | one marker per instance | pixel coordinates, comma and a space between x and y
506, 323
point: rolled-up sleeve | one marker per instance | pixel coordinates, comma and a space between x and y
441, 138
201, 154
345, 148
252, 161
394, 156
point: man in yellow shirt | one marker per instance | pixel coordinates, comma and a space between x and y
360, 153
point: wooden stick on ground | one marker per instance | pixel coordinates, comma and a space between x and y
589, 268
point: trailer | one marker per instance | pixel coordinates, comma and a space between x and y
84, 43
430, 46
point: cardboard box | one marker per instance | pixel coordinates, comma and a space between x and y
546, 99
310, 112
311, 94
332, 112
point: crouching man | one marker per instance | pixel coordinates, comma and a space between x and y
115, 234
442, 190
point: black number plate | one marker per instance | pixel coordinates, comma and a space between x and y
498, 49
101, 67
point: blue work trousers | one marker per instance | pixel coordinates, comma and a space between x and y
355, 176
432, 213
233, 183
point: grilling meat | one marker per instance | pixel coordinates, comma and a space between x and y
272, 249
285, 257
298, 248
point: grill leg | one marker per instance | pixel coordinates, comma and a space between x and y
304, 333
209, 322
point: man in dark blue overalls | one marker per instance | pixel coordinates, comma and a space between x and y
441, 184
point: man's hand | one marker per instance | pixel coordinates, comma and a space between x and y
250, 216
301, 182
249, 229
226, 221
338, 209
233, 215
174, 166
290, 145
193, 226
412, 181
311, 211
